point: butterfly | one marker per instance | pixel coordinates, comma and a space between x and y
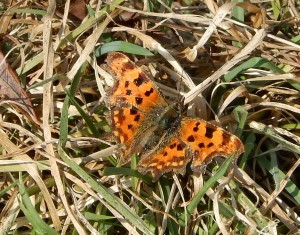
143, 122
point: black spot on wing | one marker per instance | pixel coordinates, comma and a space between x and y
139, 81
191, 138
201, 145
172, 146
133, 111
137, 118
209, 132
226, 138
179, 147
210, 145
138, 100
148, 93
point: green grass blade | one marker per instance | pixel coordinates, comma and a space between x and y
109, 197
97, 217
31, 214
89, 22
253, 211
64, 121
250, 146
126, 171
270, 132
238, 14
86, 117
52, 79
209, 184
241, 116
255, 62
28, 11
290, 187
291, 126
126, 47
30, 64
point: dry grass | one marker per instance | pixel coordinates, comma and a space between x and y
235, 64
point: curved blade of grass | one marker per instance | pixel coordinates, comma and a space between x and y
273, 169
209, 184
64, 122
238, 14
125, 171
241, 115
86, 117
109, 197
270, 132
291, 126
31, 214
249, 143
97, 217
255, 62
43, 82
90, 22
126, 47
29, 64
247, 205
28, 11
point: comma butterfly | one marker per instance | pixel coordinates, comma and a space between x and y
144, 123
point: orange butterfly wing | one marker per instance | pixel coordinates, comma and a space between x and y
132, 85
132, 97
197, 141
125, 121
207, 141
141, 119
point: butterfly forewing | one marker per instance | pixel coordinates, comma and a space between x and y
125, 122
132, 85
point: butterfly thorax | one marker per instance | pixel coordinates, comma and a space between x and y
160, 124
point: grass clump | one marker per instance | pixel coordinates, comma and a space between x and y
236, 64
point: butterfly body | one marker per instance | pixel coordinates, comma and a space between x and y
144, 123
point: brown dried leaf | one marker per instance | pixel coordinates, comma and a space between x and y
7, 16
257, 14
78, 9
10, 89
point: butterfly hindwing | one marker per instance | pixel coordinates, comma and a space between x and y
207, 141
